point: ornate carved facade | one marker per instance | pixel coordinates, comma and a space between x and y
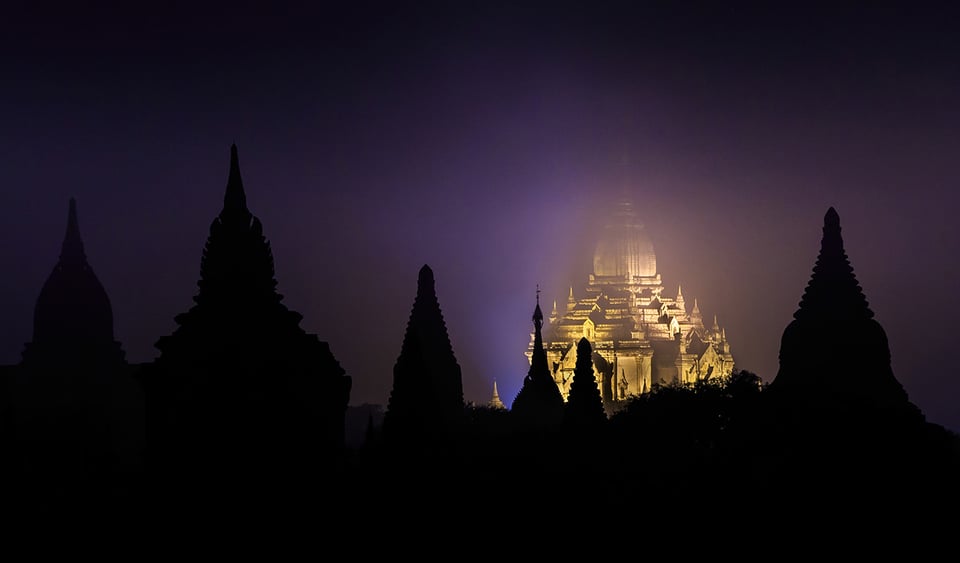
640, 337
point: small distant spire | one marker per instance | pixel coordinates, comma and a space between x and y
695, 315
679, 292
571, 298
72, 250
716, 325
554, 312
495, 402
234, 198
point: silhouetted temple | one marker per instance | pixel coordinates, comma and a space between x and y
78, 410
639, 337
427, 393
73, 318
833, 342
538, 403
584, 408
239, 381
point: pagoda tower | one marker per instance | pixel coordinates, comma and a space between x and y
239, 372
427, 395
834, 347
539, 402
73, 318
78, 410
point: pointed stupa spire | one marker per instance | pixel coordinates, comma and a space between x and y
234, 198
833, 291
72, 250
537, 313
716, 325
495, 402
539, 400
427, 394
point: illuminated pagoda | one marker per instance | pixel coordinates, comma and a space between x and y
495, 401
640, 337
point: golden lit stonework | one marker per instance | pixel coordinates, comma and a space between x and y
640, 337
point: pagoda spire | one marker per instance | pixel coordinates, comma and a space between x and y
537, 313
833, 291
234, 199
71, 253
495, 402
539, 401
427, 394
695, 315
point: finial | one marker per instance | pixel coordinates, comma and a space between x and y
234, 198
832, 218
537, 313
679, 291
425, 275
72, 249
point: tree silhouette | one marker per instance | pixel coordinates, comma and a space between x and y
239, 381
539, 402
426, 400
584, 407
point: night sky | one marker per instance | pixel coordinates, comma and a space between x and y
487, 141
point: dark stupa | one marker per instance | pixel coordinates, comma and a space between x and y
427, 394
239, 377
584, 408
539, 402
78, 410
834, 347
73, 319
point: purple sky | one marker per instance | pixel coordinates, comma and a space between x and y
487, 143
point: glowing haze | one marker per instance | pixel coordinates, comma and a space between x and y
489, 143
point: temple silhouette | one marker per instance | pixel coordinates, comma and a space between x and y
427, 395
539, 402
239, 386
77, 409
245, 413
